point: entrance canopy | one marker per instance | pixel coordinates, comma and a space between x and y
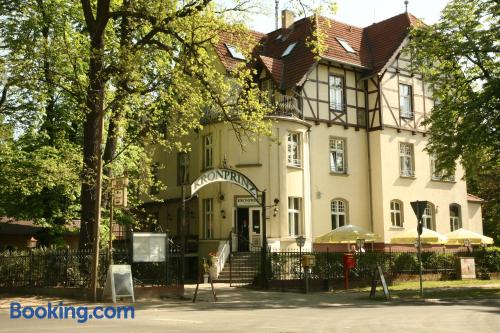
225, 175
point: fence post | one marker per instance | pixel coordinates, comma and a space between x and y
31, 268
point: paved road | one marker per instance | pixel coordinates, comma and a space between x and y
241, 310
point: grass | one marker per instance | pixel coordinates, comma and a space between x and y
455, 289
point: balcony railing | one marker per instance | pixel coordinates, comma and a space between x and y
282, 105
286, 106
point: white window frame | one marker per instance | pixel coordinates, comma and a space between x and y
396, 208
294, 153
338, 208
428, 217
208, 151
336, 92
406, 100
345, 44
294, 216
406, 160
288, 50
338, 152
208, 218
455, 220
235, 52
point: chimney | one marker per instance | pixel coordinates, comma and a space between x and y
287, 18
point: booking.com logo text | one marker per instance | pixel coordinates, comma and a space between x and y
80, 313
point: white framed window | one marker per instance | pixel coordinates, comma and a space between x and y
405, 101
235, 52
208, 152
208, 215
338, 213
428, 217
294, 216
294, 150
455, 217
396, 213
337, 155
346, 45
288, 50
336, 92
182, 168
440, 174
406, 159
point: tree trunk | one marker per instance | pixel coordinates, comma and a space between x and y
92, 139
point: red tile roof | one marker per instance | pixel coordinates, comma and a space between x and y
473, 198
373, 45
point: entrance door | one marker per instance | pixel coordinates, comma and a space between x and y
255, 227
243, 228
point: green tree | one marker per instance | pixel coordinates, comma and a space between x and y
458, 57
110, 79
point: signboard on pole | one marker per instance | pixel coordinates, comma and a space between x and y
149, 247
419, 208
119, 189
119, 282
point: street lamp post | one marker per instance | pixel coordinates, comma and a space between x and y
301, 240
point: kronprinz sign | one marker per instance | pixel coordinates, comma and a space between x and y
224, 175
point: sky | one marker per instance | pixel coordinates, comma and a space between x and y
358, 12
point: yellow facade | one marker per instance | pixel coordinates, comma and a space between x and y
371, 129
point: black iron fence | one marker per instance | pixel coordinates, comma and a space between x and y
71, 268
286, 265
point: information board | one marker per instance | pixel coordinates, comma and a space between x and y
119, 282
148, 247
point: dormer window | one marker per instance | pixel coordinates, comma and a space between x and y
235, 53
346, 45
288, 50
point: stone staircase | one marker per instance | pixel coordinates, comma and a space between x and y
244, 268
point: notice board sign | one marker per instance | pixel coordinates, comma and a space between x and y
378, 276
119, 282
148, 247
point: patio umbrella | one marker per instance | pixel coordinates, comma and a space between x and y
459, 236
428, 236
347, 234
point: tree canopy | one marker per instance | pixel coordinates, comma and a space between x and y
105, 79
459, 58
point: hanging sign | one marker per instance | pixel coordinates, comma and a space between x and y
119, 188
224, 175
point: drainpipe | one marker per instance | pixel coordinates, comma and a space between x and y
370, 187
310, 186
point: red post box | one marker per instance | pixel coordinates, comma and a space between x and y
349, 262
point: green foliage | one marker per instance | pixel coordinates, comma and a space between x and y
458, 57
406, 262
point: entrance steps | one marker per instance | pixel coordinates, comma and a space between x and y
241, 268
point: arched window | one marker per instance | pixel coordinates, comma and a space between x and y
397, 213
428, 218
455, 217
339, 213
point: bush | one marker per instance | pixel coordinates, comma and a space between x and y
488, 259
405, 262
